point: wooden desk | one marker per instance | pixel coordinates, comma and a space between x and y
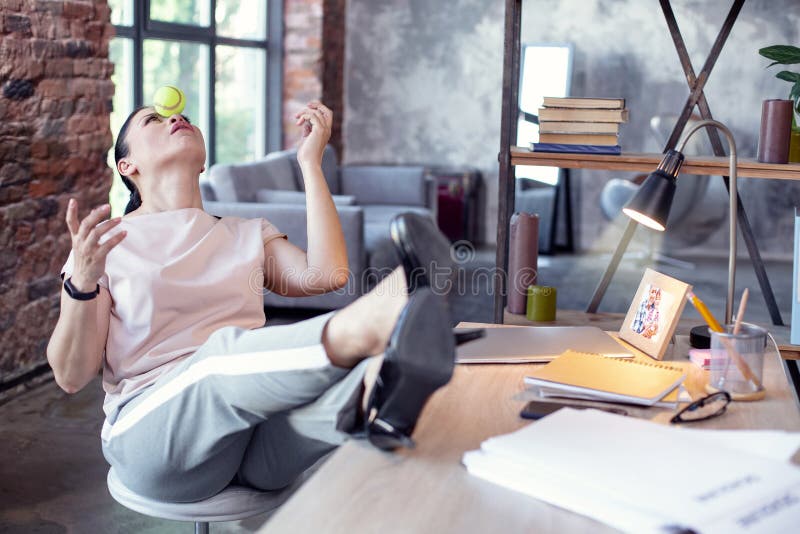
427, 490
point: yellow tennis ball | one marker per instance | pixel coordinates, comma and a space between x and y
169, 100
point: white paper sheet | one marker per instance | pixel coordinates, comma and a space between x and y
774, 444
583, 499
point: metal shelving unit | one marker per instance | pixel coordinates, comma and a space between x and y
510, 155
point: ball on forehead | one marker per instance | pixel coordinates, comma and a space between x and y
169, 100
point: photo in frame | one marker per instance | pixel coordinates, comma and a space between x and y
654, 313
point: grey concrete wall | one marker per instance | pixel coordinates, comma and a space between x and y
423, 83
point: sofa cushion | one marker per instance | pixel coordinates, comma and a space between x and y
207, 190
330, 168
241, 182
377, 219
276, 196
386, 184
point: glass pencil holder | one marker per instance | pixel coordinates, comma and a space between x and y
737, 362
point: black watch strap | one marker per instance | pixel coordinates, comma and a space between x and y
73, 292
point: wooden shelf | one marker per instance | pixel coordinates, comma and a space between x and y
637, 162
790, 352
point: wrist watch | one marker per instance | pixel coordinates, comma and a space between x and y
73, 291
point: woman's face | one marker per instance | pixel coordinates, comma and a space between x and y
156, 142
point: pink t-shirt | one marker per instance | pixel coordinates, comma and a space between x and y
176, 278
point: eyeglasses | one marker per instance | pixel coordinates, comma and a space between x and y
705, 408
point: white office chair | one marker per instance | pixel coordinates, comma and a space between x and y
232, 503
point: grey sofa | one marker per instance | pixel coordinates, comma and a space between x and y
367, 197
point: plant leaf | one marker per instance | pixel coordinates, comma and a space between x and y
794, 94
788, 76
781, 54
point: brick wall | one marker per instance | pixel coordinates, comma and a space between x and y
55, 99
302, 61
333, 38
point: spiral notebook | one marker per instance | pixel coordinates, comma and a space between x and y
581, 375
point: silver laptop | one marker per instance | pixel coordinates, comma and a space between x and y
522, 344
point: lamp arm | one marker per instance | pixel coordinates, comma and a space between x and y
734, 202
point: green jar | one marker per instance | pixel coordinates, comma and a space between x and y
794, 146
541, 303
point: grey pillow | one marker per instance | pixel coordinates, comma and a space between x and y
277, 196
239, 183
207, 190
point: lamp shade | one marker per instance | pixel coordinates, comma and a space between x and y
651, 204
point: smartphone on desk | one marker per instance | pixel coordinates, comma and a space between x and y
539, 409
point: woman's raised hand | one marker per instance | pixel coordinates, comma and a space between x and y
90, 256
316, 119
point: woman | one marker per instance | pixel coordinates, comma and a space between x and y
198, 393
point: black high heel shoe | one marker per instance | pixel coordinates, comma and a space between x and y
418, 361
424, 252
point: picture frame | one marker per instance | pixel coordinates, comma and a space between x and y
654, 313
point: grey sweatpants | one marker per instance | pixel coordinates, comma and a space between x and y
254, 407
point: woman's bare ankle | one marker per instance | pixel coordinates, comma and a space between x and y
363, 328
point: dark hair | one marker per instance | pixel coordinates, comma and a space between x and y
121, 150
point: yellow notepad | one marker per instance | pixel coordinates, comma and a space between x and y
593, 377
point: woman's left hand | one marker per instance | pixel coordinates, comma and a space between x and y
316, 119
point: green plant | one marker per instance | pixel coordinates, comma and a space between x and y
785, 55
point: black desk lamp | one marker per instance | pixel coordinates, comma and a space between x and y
651, 203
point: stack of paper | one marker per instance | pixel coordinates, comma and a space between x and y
642, 477
580, 375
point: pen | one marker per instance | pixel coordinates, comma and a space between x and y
703, 309
740, 363
740, 313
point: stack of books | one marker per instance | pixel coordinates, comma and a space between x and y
580, 125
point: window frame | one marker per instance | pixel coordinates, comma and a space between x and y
146, 28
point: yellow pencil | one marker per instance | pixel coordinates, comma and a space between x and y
701, 307
714, 325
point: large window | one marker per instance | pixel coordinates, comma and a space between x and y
224, 54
